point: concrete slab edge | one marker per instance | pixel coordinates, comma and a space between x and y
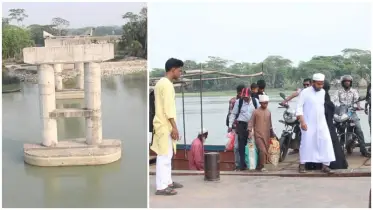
69, 95
352, 173
72, 161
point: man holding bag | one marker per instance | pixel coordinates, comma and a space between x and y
241, 113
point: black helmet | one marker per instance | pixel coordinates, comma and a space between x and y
346, 78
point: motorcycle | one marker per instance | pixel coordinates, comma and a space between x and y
346, 126
291, 133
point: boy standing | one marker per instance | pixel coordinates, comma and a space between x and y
260, 126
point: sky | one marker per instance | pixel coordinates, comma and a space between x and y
249, 32
80, 14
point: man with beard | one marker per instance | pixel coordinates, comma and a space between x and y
196, 152
165, 130
316, 143
347, 96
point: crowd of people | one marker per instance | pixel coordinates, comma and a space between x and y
250, 118
319, 145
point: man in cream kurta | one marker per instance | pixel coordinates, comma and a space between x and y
165, 129
316, 144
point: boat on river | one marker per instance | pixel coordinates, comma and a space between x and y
180, 160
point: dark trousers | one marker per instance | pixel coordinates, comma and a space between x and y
242, 142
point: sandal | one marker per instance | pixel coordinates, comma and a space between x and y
167, 191
326, 169
302, 168
175, 185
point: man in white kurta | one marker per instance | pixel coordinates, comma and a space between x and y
316, 144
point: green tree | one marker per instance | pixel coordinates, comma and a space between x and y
279, 71
18, 15
134, 38
61, 25
14, 39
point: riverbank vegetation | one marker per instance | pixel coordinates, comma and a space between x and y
279, 72
16, 36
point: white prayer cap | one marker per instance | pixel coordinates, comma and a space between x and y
263, 98
318, 77
204, 130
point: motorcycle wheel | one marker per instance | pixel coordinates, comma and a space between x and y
284, 148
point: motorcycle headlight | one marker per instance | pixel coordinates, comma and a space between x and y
340, 118
290, 116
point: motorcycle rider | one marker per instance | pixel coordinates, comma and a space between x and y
306, 84
367, 105
346, 96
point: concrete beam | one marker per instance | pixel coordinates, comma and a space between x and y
69, 94
69, 113
69, 54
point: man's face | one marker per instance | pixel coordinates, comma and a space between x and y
264, 104
306, 84
347, 83
254, 90
260, 90
318, 85
246, 99
239, 94
176, 73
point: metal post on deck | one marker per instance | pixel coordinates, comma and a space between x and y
212, 166
200, 96
182, 97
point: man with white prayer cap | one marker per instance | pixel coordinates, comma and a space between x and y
316, 144
196, 152
260, 126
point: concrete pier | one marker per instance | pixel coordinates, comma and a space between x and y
92, 91
58, 76
80, 68
91, 150
47, 100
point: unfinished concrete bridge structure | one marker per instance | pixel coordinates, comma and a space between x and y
91, 150
57, 41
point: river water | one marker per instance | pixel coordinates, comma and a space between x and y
120, 184
215, 110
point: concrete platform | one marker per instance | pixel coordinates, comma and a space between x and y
69, 94
74, 152
264, 192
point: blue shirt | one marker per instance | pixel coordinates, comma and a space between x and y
246, 111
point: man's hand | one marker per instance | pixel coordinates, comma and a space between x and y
366, 110
250, 134
283, 103
303, 126
175, 134
229, 130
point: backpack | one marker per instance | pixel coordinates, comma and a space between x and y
151, 110
240, 102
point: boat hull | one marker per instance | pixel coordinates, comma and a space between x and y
180, 160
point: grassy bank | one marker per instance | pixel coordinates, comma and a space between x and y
229, 93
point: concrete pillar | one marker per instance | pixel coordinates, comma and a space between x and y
47, 99
92, 100
58, 76
80, 68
